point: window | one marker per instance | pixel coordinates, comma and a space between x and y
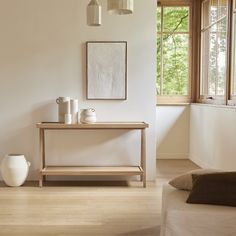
214, 47
233, 69
173, 52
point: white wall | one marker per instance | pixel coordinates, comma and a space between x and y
172, 132
42, 56
212, 136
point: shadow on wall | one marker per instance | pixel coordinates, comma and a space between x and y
172, 132
21, 134
84, 69
67, 148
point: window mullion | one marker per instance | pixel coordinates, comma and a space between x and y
217, 58
229, 60
162, 65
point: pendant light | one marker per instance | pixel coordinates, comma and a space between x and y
120, 7
94, 13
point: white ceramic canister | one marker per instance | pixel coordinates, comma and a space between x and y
88, 116
14, 169
68, 119
74, 108
63, 106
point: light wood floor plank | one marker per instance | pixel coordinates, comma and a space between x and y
96, 209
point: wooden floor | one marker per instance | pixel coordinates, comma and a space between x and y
80, 210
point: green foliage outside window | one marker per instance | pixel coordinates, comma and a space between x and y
172, 50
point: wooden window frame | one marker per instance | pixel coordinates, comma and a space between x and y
218, 99
178, 99
232, 71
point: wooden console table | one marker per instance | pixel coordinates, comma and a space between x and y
86, 170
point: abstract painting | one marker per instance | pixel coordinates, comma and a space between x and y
107, 70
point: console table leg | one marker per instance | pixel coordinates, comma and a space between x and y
143, 156
42, 155
41, 181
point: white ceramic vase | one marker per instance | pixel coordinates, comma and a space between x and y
63, 108
14, 169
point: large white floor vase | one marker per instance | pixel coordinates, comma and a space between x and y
14, 169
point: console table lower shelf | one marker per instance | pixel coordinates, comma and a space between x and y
92, 170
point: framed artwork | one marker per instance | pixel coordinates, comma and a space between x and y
106, 70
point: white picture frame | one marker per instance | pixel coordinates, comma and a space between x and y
106, 70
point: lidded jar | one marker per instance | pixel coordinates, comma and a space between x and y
88, 116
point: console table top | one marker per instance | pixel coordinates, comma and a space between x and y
97, 125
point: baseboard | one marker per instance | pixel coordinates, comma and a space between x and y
199, 162
172, 156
